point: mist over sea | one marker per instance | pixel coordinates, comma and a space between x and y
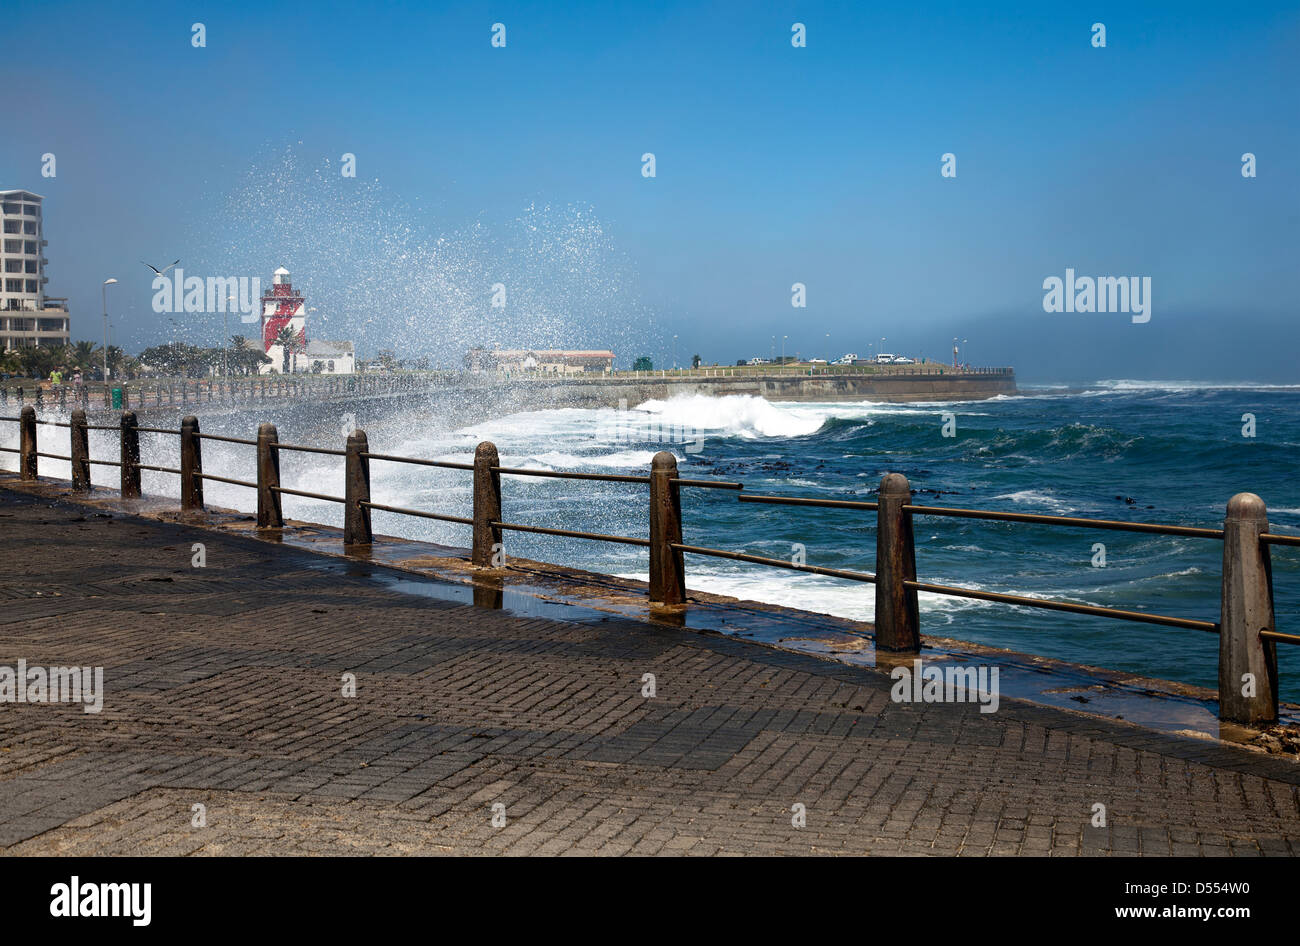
1169, 452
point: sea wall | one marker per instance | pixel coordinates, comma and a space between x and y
899, 387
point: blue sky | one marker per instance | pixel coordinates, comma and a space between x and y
775, 165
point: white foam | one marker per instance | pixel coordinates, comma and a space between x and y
751, 417
809, 592
1035, 497
621, 459
1134, 386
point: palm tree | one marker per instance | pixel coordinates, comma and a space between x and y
115, 358
294, 343
83, 355
284, 338
241, 349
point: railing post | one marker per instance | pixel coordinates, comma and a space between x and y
487, 506
356, 491
1247, 664
130, 456
667, 573
79, 451
191, 464
897, 623
27, 443
269, 515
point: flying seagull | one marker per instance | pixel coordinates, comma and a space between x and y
157, 270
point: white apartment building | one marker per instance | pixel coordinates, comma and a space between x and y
28, 317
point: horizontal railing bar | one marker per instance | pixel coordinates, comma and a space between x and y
156, 469
225, 439
103, 427
106, 462
157, 430
54, 456
226, 479
707, 484
325, 450
622, 539
775, 562
11, 449
1270, 538
1280, 637
1051, 605
416, 512
53, 423
1115, 524
11, 418
608, 477
447, 464
298, 492
802, 501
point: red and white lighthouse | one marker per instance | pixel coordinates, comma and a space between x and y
282, 308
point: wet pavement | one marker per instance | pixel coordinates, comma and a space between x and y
518, 716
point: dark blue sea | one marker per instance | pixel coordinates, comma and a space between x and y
1169, 453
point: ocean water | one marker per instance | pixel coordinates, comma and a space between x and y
1171, 452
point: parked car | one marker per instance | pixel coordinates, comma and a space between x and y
902, 360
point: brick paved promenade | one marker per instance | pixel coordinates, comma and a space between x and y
223, 688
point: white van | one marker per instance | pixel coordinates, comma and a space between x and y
885, 359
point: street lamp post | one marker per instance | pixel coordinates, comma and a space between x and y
225, 328
104, 295
783, 338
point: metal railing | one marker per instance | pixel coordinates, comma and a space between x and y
1246, 627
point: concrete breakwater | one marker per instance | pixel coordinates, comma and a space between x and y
473, 396
633, 388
